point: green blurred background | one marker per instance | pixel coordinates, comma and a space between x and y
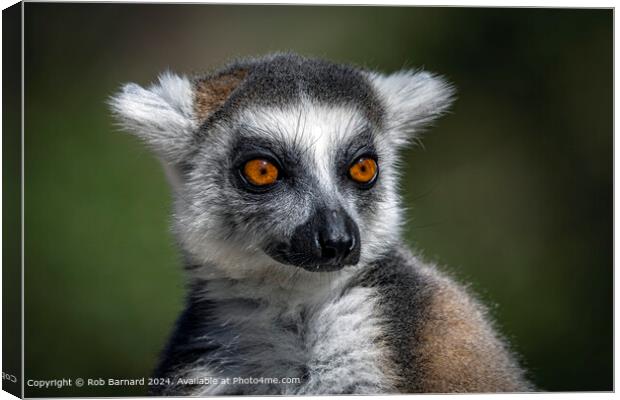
512, 191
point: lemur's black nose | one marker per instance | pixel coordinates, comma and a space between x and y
327, 241
336, 237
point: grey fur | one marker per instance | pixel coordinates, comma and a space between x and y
386, 324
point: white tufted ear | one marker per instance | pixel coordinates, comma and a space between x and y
162, 115
413, 99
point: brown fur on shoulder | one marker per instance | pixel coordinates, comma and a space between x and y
456, 348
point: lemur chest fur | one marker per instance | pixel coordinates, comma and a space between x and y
324, 339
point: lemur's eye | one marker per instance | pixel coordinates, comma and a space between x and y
364, 170
260, 172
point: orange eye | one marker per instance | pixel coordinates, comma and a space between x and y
260, 172
364, 170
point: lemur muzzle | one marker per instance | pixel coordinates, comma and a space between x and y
327, 241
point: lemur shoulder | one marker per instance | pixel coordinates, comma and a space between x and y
284, 174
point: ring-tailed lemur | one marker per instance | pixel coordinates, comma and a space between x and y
287, 213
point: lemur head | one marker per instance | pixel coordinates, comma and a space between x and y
283, 161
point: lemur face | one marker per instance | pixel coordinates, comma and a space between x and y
284, 161
307, 184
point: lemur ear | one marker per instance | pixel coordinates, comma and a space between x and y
162, 115
167, 114
412, 99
